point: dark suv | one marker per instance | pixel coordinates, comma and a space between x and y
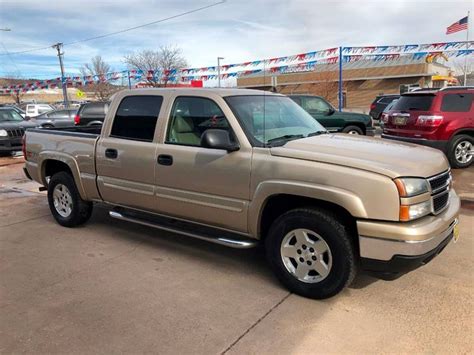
12, 129
332, 120
90, 114
442, 119
380, 103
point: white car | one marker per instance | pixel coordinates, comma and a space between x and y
33, 110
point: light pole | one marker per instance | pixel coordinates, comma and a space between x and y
219, 71
58, 46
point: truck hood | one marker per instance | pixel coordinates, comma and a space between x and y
381, 156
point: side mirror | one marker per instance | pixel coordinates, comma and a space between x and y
331, 111
218, 139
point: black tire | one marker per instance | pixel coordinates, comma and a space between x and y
337, 238
353, 130
80, 210
451, 152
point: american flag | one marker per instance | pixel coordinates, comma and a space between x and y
460, 25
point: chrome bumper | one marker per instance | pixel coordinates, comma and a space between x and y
384, 240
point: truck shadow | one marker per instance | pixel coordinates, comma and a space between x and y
246, 260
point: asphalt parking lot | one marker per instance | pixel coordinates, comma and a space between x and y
117, 287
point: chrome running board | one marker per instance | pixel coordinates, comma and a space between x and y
184, 228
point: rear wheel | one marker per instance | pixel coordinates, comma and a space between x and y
353, 130
311, 253
460, 151
65, 203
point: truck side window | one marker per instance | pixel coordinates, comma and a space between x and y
136, 118
190, 117
315, 105
456, 102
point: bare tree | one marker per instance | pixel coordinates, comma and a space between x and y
14, 78
461, 66
160, 63
99, 68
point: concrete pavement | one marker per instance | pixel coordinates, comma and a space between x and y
111, 286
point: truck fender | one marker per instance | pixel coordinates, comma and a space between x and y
66, 159
343, 198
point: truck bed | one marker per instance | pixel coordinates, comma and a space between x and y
92, 131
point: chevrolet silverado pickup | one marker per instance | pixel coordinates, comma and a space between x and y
245, 167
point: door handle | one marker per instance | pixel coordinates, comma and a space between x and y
111, 153
164, 159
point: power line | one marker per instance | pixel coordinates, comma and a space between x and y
124, 30
9, 56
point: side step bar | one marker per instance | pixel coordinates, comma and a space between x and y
208, 234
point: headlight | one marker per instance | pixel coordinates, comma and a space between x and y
409, 187
3, 133
408, 213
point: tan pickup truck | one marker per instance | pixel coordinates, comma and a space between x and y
243, 167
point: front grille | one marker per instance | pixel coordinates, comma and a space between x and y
440, 201
15, 132
440, 185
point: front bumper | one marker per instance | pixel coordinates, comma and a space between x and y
394, 248
10, 144
441, 145
370, 131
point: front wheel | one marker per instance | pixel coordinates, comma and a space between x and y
311, 253
352, 130
65, 203
460, 151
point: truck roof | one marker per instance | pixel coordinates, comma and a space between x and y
217, 91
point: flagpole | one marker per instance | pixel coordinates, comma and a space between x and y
467, 47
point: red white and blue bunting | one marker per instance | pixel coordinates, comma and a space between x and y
279, 65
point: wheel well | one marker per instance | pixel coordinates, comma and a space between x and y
52, 167
276, 205
357, 124
468, 132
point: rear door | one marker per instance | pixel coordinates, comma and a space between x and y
126, 153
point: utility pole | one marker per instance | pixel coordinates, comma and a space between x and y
219, 71
58, 46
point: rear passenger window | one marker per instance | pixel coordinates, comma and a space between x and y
456, 102
136, 118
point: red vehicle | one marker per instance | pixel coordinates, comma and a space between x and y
442, 119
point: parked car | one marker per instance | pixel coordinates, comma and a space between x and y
33, 110
332, 120
16, 108
90, 114
442, 119
242, 167
379, 104
386, 112
12, 128
56, 118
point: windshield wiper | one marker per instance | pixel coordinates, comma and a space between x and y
285, 137
317, 133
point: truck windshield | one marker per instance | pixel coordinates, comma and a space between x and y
414, 103
273, 120
10, 115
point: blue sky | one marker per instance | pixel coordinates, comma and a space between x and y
236, 30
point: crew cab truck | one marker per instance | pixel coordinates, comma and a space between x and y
243, 167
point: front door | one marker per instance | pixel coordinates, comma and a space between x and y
126, 156
209, 186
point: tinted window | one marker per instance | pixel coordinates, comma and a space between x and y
190, 117
136, 118
414, 102
386, 100
296, 99
94, 109
456, 102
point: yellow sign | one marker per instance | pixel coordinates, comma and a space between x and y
80, 94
